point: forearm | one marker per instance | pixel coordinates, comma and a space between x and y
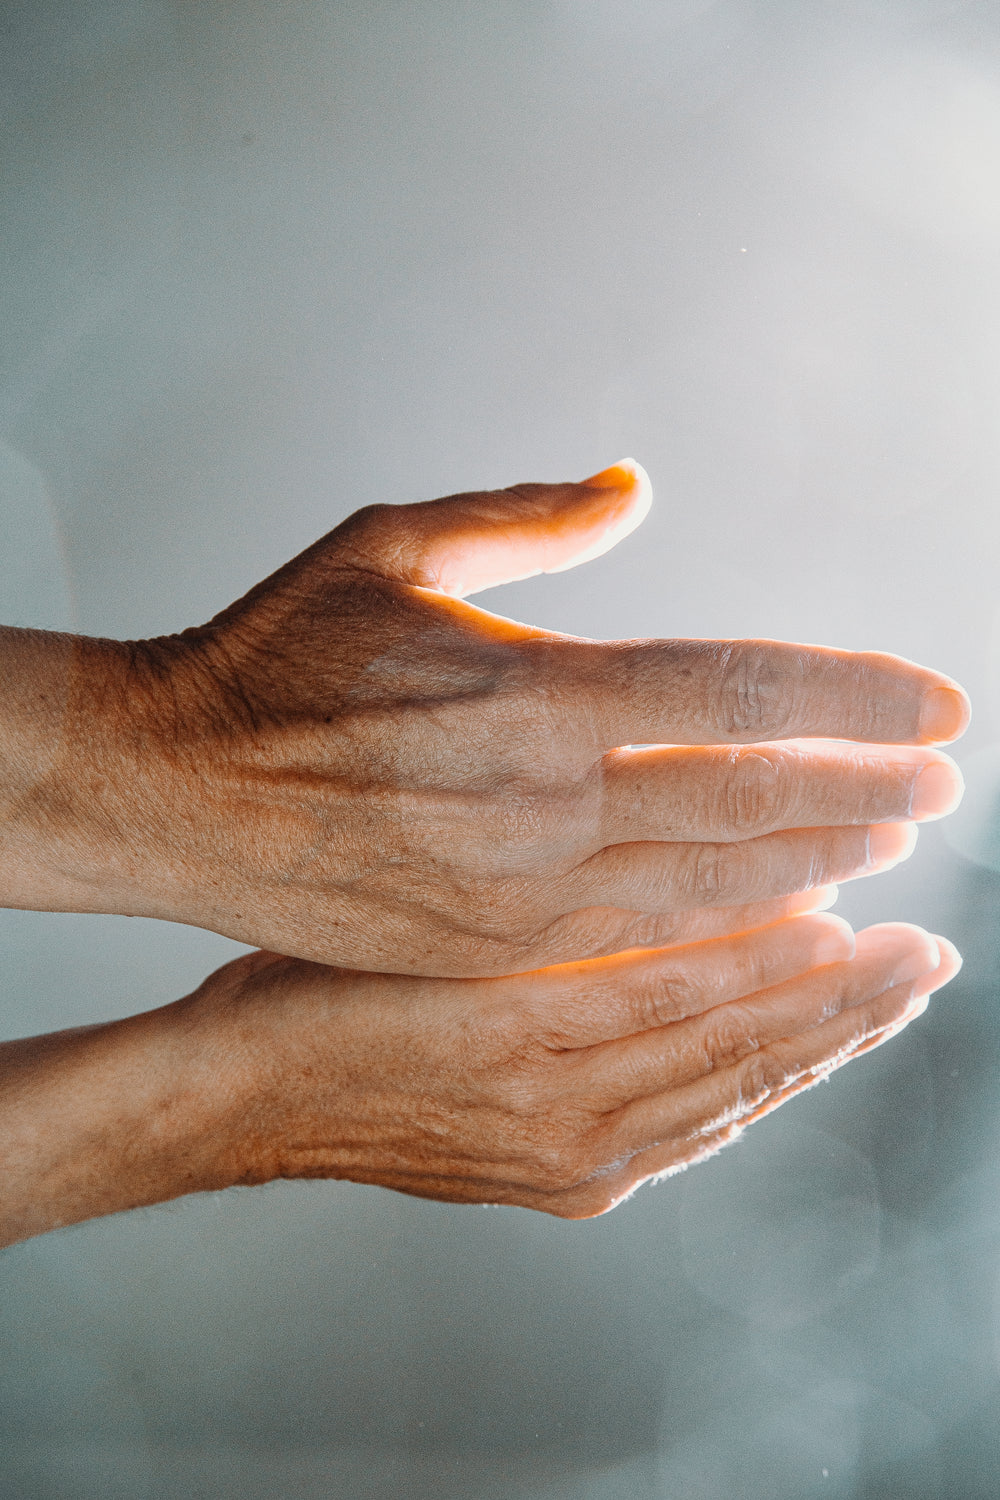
110, 1117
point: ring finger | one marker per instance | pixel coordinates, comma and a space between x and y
661, 877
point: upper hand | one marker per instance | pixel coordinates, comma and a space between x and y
353, 765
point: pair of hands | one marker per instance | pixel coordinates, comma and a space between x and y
352, 766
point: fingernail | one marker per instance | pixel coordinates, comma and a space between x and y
890, 843
944, 714
835, 944
937, 790
620, 476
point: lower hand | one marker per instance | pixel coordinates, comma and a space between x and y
561, 1090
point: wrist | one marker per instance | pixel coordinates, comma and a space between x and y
113, 1117
81, 774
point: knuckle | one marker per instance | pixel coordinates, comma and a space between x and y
368, 520
516, 825
373, 533
753, 790
584, 1204
564, 1148
519, 822
537, 713
523, 1056
651, 930
754, 968
590, 1202
508, 913
538, 828
728, 1037
756, 696
709, 873
760, 1076
663, 999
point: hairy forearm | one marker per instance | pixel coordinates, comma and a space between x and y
105, 1118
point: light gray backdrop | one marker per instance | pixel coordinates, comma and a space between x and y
265, 262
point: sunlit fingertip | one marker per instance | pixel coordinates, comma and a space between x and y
819, 899
951, 959
937, 790
948, 964
944, 714
923, 958
834, 941
626, 474
889, 844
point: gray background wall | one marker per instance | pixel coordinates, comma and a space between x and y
264, 263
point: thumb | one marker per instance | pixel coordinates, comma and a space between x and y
469, 542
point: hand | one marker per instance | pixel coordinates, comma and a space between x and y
560, 1090
566, 1089
352, 765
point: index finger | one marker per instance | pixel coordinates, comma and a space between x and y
694, 692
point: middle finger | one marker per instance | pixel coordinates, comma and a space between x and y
728, 792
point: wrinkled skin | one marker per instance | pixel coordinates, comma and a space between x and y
566, 1089
561, 1090
354, 766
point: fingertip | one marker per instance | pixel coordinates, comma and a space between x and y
834, 940
889, 844
912, 952
819, 899
937, 790
945, 713
948, 964
620, 476
624, 496
950, 960
628, 478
